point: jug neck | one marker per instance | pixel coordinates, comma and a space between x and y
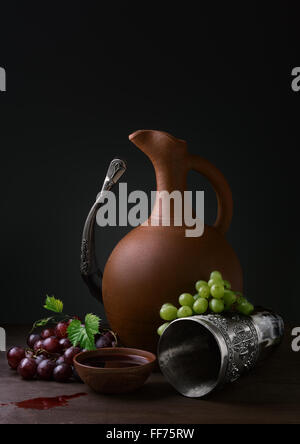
169, 157
169, 179
170, 176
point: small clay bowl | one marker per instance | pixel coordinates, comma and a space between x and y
124, 369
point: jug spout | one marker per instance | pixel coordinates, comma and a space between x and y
168, 155
159, 145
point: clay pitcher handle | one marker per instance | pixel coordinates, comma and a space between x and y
221, 187
90, 271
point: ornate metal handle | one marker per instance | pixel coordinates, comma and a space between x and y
90, 271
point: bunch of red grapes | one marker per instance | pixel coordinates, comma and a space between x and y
50, 355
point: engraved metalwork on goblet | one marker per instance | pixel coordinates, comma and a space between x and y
200, 354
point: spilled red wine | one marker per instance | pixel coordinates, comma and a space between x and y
45, 403
115, 361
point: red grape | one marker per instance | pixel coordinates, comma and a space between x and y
105, 341
62, 373
27, 368
39, 359
29, 354
70, 353
51, 345
15, 356
60, 360
45, 369
32, 339
65, 343
47, 333
38, 345
61, 330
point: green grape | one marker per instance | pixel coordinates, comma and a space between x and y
246, 308
200, 306
216, 276
216, 305
204, 292
227, 285
217, 291
162, 328
241, 299
212, 282
196, 296
185, 312
186, 299
200, 284
229, 298
168, 313
168, 305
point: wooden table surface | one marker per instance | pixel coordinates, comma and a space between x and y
270, 394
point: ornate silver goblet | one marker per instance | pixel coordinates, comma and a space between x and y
199, 354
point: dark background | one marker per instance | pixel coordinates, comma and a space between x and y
81, 78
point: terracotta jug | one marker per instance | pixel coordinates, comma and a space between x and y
155, 264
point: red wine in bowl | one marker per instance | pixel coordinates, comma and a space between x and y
115, 361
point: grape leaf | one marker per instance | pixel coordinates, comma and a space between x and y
54, 304
87, 341
92, 324
78, 336
75, 332
84, 335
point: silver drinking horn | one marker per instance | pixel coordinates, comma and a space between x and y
199, 354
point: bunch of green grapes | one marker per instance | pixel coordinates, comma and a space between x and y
214, 296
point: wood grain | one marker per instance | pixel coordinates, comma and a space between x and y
269, 395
